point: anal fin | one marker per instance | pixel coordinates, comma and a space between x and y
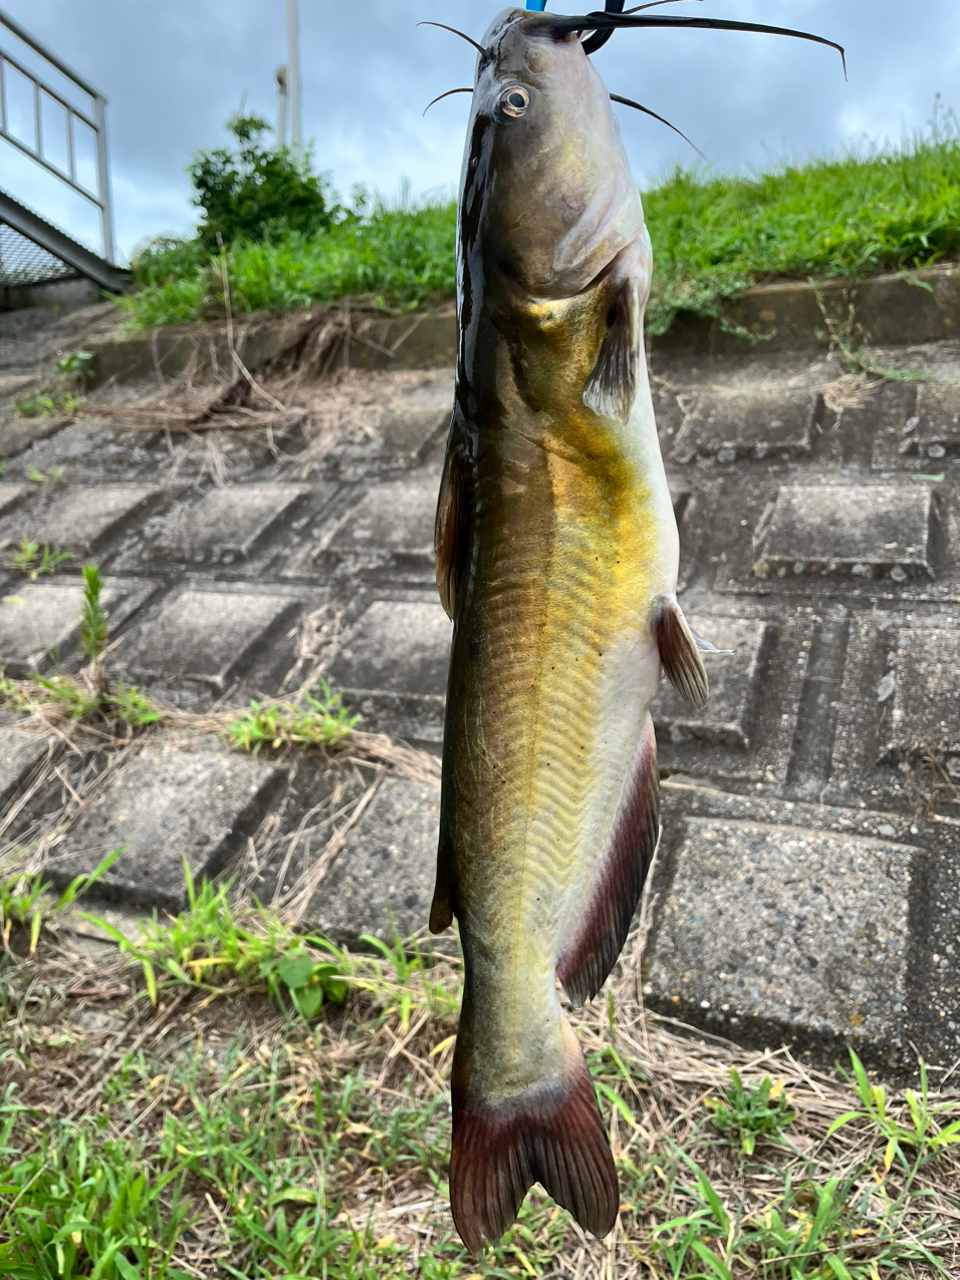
586, 963
680, 655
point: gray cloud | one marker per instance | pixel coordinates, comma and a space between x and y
174, 72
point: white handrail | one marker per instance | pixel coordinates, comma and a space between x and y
96, 121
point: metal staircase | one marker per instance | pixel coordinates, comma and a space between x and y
37, 89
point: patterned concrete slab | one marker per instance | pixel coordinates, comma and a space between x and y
82, 519
861, 530
820, 529
732, 425
204, 636
382, 882
19, 755
728, 718
418, 410
228, 524
802, 930
934, 432
395, 518
10, 495
166, 808
20, 433
39, 624
397, 647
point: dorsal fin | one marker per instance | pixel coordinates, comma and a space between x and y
452, 531
612, 386
680, 655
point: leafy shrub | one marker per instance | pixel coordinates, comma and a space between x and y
255, 190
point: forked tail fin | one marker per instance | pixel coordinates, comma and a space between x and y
552, 1134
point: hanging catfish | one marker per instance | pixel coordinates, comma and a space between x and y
557, 555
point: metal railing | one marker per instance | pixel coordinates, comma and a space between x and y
35, 148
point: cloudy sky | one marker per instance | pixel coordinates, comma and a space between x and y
174, 70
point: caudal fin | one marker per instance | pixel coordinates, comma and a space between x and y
553, 1135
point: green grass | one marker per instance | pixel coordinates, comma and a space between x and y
400, 256
713, 235
322, 722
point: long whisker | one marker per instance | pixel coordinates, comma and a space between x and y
628, 102
469, 39
440, 97
601, 23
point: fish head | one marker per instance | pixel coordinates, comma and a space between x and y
547, 198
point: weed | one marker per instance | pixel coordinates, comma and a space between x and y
921, 1133
208, 947
77, 364
270, 1149
73, 700
747, 1112
324, 722
94, 632
25, 559
43, 404
25, 901
81, 1205
132, 705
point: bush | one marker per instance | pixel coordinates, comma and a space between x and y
256, 190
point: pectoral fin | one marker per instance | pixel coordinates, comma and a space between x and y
451, 537
680, 655
612, 387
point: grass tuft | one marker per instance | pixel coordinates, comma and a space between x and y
24, 559
323, 722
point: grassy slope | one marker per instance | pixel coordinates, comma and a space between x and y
713, 237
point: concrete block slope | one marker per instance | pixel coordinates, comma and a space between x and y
808, 882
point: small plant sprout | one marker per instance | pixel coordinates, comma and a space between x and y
94, 632
133, 706
747, 1112
212, 947
918, 1129
25, 559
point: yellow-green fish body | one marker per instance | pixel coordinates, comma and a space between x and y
557, 555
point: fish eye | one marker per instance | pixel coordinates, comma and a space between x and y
514, 101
